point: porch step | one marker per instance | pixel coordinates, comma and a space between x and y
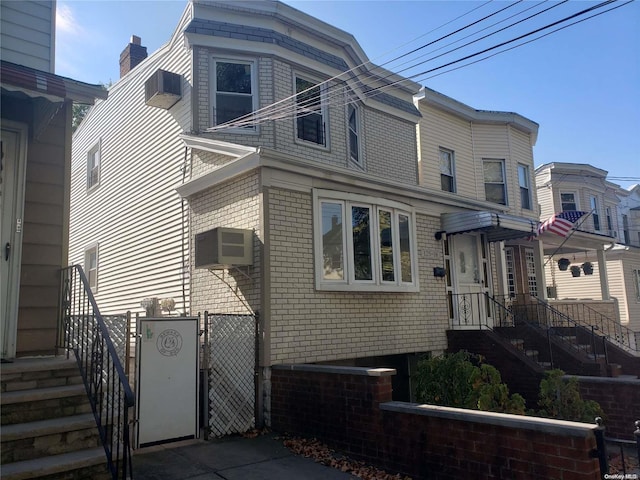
48, 430
545, 365
43, 403
41, 372
88, 463
26, 441
518, 343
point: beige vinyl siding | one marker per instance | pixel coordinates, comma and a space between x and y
570, 287
27, 34
443, 130
135, 215
44, 240
631, 263
522, 154
617, 290
492, 142
308, 325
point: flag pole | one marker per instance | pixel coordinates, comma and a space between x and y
573, 230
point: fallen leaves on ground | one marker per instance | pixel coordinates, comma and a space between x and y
321, 453
631, 462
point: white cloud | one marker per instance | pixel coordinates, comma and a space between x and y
66, 23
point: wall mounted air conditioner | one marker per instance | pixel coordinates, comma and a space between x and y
163, 89
224, 247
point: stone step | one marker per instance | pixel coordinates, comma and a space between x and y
26, 441
87, 463
43, 403
41, 372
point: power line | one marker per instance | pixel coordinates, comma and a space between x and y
297, 108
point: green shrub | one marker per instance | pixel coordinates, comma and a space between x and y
560, 398
462, 380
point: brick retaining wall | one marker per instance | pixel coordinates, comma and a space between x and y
352, 410
619, 399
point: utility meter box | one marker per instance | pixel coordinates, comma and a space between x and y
224, 247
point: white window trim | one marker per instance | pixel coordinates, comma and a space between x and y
359, 162
212, 91
453, 168
595, 213
87, 250
348, 283
503, 162
527, 186
575, 199
323, 110
96, 148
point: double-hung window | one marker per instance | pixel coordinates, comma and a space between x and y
364, 243
525, 189
447, 179
568, 202
310, 112
636, 280
93, 167
495, 187
609, 222
353, 122
594, 213
91, 266
234, 93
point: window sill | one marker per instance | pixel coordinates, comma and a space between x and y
343, 287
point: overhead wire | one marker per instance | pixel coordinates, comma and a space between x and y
251, 117
297, 109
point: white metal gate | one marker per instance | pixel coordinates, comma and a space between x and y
167, 370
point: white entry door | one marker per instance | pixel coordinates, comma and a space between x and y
167, 371
12, 180
469, 264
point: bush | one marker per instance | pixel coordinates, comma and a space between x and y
462, 380
560, 398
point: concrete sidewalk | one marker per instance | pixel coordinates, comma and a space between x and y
233, 458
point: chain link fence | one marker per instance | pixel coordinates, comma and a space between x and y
230, 359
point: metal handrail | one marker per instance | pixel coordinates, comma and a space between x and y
597, 330
82, 330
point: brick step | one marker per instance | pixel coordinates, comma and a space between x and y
30, 373
43, 403
26, 441
88, 463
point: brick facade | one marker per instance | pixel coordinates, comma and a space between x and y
352, 410
308, 325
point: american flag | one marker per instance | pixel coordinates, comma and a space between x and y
561, 223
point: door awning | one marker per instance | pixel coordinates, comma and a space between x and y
496, 226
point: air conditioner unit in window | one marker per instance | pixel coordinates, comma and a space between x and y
224, 247
163, 89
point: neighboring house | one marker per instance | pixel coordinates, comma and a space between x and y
318, 209
629, 216
36, 158
603, 237
480, 163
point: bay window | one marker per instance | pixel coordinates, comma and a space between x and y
364, 243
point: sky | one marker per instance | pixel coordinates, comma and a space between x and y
580, 84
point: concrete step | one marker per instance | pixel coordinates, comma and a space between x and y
88, 463
545, 365
43, 403
41, 372
26, 441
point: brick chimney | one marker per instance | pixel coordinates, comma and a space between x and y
132, 55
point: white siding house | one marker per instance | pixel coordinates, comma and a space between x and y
27, 34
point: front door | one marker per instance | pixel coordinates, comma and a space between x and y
470, 280
12, 178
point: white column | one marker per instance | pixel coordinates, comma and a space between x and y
602, 270
541, 279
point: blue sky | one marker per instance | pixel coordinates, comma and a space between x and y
581, 84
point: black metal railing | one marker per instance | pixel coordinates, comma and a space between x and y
478, 310
583, 339
626, 448
82, 330
588, 317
